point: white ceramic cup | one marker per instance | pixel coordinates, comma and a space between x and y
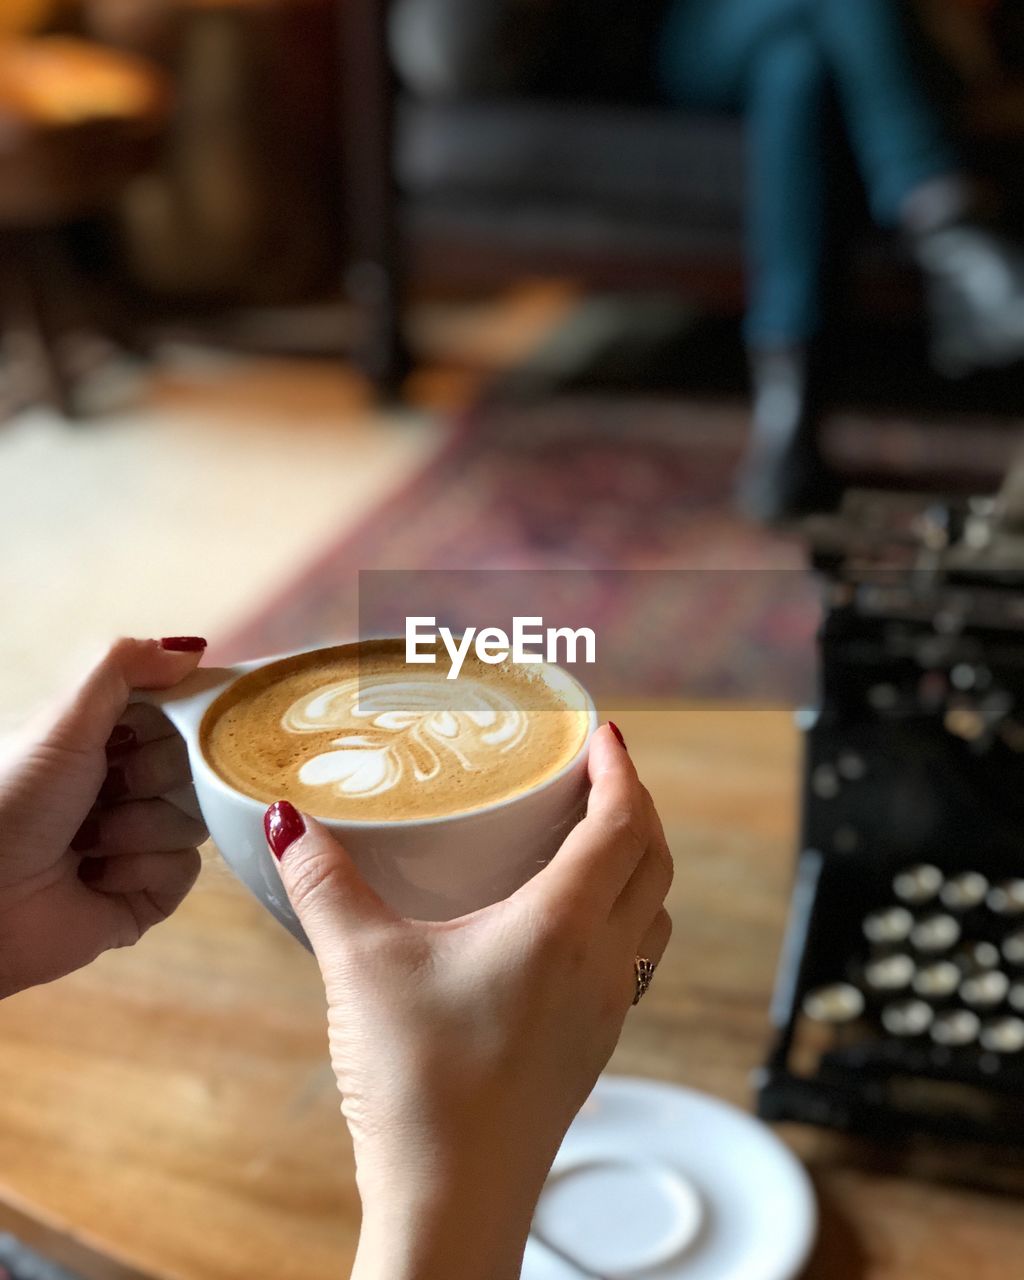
425, 868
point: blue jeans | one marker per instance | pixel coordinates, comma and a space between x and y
777, 60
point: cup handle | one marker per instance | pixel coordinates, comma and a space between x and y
184, 706
200, 687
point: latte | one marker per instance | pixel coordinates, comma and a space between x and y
354, 734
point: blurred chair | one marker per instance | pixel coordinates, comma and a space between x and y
450, 181
77, 123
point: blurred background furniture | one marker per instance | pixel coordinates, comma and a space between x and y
77, 123
241, 208
168, 168
455, 183
913, 757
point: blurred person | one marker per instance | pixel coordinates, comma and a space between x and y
462, 1049
779, 62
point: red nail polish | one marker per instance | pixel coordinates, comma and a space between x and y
618, 733
87, 836
283, 825
115, 785
123, 738
183, 644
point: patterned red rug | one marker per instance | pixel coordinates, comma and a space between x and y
633, 494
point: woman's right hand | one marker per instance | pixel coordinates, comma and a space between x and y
463, 1049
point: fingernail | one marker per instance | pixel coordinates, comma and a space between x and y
121, 739
283, 824
115, 785
86, 837
183, 644
618, 733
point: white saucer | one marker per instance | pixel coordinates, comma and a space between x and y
663, 1183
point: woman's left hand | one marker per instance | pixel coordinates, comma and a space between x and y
90, 856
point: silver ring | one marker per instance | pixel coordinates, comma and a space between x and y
644, 971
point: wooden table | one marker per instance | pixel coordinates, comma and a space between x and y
171, 1113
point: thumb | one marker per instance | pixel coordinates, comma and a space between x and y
85, 719
325, 887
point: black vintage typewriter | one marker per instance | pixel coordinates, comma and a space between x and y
899, 1001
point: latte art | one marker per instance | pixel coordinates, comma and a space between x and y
402, 731
354, 733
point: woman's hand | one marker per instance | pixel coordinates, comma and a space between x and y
464, 1049
90, 857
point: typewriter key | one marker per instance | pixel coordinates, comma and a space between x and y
1013, 947
890, 925
883, 697
1004, 1035
985, 990
937, 981
975, 956
907, 1018
917, 885
835, 1004
955, 1028
935, 933
851, 766
932, 691
962, 676
964, 891
889, 973
1007, 898
965, 721
1016, 997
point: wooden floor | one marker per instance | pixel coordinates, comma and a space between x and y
178, 512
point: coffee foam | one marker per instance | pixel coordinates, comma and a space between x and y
354, 733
